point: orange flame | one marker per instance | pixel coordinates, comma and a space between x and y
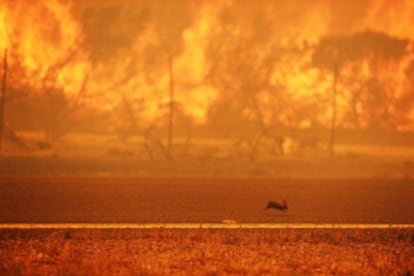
49, 41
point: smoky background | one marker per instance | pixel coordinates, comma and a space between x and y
279, 88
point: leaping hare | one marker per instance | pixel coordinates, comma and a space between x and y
276, 205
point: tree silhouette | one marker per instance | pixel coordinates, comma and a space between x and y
242, 60
169, 19
3, 97
333, 53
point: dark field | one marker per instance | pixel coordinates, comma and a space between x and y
206, 252
94, 199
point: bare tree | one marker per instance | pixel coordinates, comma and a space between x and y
170, 18
330, 54
243, 61
61, 107
336, 52
3, 98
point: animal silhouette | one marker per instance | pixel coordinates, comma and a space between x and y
276, 205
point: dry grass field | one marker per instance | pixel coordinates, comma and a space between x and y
206, 252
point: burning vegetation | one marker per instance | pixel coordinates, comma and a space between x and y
271, 77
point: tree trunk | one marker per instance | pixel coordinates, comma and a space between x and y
171, 107
3, 98
333, 118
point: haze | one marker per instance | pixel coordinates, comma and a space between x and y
217, 88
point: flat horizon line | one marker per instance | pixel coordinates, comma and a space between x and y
205, 225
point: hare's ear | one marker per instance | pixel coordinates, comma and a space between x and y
284, 202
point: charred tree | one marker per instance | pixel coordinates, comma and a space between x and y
171, 106
3, 98
333, 116
333, 53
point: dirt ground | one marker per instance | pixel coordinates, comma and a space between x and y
206, 252
103, 199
